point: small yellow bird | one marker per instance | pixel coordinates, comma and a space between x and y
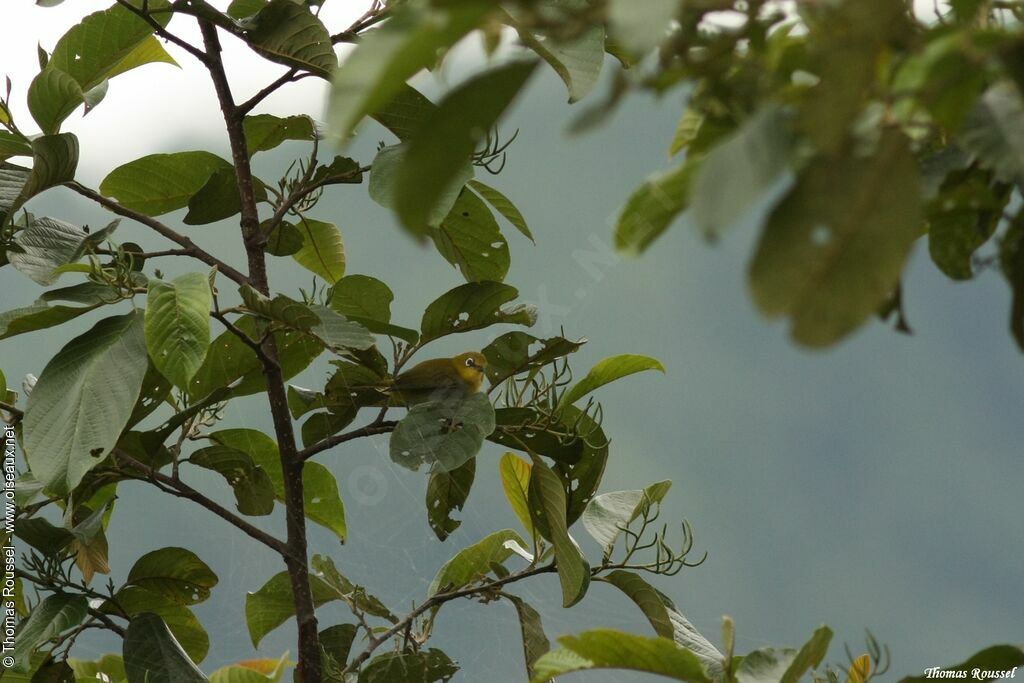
441, 379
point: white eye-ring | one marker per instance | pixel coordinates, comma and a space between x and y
470, 363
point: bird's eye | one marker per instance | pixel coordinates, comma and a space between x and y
470, 363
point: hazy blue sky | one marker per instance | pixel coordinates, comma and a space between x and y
874, 485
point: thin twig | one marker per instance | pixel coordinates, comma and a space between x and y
375, 427
164, 33
290, 76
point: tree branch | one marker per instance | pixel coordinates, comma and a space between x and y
162, 32
187, 244
290, 76
375, 427
437, 600
180, 489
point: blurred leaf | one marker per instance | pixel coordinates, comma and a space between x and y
739, 173
266, 131
860, 670
176, 573
159, 183
474, 562
653, 206
83, 400
108, 669
442, 434
961, 219
641, 26
384, 188
252, 671
240, 9
607, 371
577, 61
272, 605
289, 34
515, 481
178, 325
434, 164
833, 250
547, 509
994, 132
404, 112
377, 70
152, 654
766, 665
447, 492
323, 251
38, 316
610, 649
469, 238
609, 513
473, 306
1011, 261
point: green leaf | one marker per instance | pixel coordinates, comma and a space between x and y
218, 198
107, 669
383, 187
516, 352
473, 306
337, 333
266, 131
253, 671
152, 654
240, 9
272, 605
322, 500
105, 43
12, 144
377, 70
404, 112
547, 509
515, 481
992, 663
469, 239
176, 573
362, 297
641, 26
577, 61
53, 616
474, 562
54, 162
653, 206
1011, 262
424, 666
38, 316
504, 206
159, 183
284, 240
435, 162
447, 492
960, 220
148, 51
766, 665
336, 642
290, 34
535, 642
83, 400
442, 434
609, 513
323, 251
994, 131
607, 371
610, 649
12, 180
181, 621
666, 619
48, 244
739, 173
833, 250
254, 491
809, 657
356, 596
178, 325
52, 96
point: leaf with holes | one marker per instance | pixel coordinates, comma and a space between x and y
176, 573
473, 306
442, 434
83, 399
469, 238
447, 492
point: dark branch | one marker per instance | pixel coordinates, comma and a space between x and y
189, 246
164, 33
381, 427
290, 76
